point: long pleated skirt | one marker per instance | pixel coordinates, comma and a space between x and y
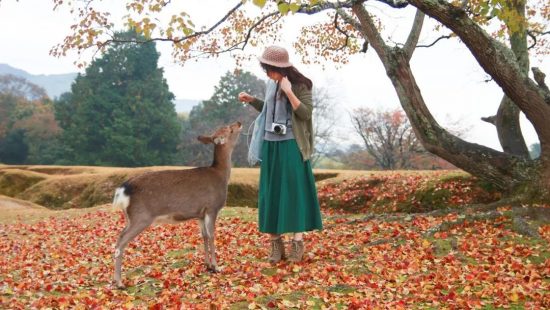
287, 196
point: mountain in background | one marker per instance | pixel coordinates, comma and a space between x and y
185, 105
56, 84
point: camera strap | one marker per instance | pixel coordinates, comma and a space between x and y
275, 103
288, 107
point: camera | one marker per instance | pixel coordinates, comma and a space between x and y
279, 129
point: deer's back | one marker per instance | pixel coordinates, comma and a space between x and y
183, 193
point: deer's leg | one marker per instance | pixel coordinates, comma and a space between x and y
204, 234
132, 229
209, 223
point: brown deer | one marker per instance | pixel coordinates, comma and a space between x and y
178, 195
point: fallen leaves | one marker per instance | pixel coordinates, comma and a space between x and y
67, 262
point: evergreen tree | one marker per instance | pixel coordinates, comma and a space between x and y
221, 109
13, 149
120, 112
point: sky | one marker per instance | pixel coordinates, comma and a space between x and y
452, 83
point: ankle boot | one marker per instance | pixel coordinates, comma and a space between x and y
277, 250
296, 251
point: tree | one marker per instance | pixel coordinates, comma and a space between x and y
388, 137
120, 111
13, 149
28, 130
351, 28
390, 140
324, 121
221, 109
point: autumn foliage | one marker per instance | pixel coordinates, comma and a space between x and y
356, 262
412, 192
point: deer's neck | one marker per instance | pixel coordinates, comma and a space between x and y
222, 159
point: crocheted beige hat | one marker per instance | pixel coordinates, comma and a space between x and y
275, 56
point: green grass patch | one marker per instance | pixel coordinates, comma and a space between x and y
274, 299
442, 247
179, 253
244, 213
341, 289
270, 271
150, 288
539, 259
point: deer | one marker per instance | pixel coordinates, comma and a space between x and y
173, 196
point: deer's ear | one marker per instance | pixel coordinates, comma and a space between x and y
205, 139
219, 140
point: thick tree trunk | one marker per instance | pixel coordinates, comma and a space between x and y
509, 130
507, 118
506, 171
503, 66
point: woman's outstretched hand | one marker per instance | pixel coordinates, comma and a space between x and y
245, 97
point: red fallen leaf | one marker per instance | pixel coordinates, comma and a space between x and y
450, 296
157, 306
373, 285
276, 279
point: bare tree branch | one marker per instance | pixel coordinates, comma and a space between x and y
193, 35
490, 119
533, 34
414, 35
369, 30
437, 40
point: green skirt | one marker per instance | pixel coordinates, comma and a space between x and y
287, 198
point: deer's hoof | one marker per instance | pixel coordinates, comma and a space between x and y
118, 285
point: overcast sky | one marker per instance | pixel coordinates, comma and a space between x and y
452, 83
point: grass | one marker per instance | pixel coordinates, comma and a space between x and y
67, 187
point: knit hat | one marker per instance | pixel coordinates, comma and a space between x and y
275, 56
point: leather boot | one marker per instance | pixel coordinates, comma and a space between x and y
277, 250
296, 251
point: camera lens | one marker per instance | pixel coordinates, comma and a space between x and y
277, 129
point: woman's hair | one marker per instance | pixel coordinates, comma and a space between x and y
293, 75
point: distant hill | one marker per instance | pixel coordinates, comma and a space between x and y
185, 105
54, 84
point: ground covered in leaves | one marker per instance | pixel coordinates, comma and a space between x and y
361, 260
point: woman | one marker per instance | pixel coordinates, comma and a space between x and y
287, 197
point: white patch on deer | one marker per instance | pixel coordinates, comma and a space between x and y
121, 200
219, 140
207, 220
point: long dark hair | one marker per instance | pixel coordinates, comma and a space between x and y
293, 75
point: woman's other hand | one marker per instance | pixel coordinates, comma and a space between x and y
245, 97
286, 86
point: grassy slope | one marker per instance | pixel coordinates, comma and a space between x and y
65, 187
481, 264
